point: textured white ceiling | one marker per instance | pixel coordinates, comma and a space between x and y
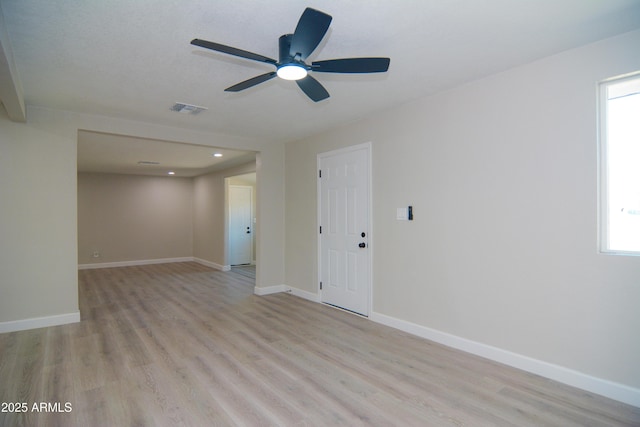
107, 153
132, 58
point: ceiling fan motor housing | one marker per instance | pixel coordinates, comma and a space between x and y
290, 66
285, 49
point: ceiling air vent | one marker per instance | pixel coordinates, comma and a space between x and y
183, 108
147, 162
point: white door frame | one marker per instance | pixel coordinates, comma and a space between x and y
368, 147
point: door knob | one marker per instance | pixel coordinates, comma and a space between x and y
362, 245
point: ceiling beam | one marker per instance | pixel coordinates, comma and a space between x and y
10, 87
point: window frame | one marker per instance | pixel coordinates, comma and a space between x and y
603, 165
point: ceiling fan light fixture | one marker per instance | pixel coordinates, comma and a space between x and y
292, 72
293, 50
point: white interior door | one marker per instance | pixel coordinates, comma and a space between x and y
344, 206
240, 225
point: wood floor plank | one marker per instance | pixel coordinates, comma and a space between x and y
181, 344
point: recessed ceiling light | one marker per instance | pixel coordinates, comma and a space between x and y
171, 173
217, 154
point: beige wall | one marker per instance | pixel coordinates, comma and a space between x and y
209, 214
137, 218
502, 175
133, 218
271, 218
38, 271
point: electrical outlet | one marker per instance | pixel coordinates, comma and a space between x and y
96, 254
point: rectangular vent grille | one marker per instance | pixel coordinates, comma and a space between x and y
183, 108
147, 162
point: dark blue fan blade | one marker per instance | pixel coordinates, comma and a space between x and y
352, 65
251, 82
310, 30
313, 89
232, 51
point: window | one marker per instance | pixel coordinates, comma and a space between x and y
620, 165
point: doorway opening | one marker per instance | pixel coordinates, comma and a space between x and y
241, 223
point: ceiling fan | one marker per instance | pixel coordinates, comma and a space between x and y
294, 50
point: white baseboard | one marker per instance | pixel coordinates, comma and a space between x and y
610, 389
315, 297
268, 290
133, 263
39, 322
212, 264
154, 261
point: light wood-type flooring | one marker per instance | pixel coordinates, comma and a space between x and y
184, 345
245, 270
